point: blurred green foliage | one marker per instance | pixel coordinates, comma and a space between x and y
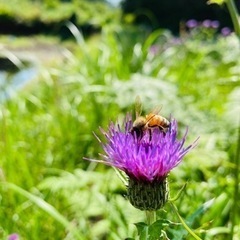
81, 12
47, 129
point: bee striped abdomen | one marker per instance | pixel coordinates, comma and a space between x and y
157, 121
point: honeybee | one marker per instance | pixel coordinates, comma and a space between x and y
156, 120
149, 122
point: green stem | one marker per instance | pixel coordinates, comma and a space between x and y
234, 16
151, 217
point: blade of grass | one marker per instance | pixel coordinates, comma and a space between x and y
183, 223
49, 209
235, 210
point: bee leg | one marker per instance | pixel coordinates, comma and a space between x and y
163, 130
136, 132
150, 134
140, 135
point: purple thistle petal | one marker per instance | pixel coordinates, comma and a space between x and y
148, 159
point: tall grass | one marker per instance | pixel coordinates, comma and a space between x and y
49, 192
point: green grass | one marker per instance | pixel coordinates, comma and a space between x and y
49, 192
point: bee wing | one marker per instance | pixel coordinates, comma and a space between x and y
138, 106
156, 110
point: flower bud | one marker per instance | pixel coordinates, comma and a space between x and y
148, 196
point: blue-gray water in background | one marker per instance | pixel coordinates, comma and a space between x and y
114, 2
10, 83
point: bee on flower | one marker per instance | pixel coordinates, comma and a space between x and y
147, 162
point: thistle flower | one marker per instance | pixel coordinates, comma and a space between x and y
146, 161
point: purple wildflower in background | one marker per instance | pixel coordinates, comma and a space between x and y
154, 49
192, 23
215, 24
13, 236
225, 31
206, 23
146, 161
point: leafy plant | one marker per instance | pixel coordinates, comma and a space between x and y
47, 129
